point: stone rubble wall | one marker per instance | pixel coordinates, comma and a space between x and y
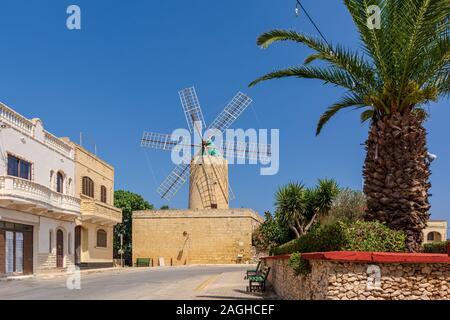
334, 280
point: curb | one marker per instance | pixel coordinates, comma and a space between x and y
17, 278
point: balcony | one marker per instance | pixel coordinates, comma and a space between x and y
99, 213
28, 196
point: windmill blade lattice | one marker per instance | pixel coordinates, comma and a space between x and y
162, 141
246, 150
214, 174
191, 107
231, 112
174, 181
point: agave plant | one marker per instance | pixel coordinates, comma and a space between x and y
404, 65
299, 208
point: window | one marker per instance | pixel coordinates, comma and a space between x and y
434, 236
88, 187
101, 238
59, 182
103, 194
19, 168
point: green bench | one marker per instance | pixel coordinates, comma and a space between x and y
143, 262
253, 272
258, 281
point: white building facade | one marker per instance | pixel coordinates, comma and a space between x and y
38, 207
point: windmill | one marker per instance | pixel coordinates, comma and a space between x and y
208, 169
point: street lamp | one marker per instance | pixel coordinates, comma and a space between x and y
431, 157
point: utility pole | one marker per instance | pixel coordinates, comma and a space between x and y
121, 250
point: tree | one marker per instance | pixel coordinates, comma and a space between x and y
128, 202
270, 234
299, 207
348, 206
404, 66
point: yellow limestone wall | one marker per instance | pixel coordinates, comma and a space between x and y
184, 237
102, 174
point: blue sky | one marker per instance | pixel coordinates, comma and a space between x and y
120, 75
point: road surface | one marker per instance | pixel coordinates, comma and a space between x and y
184, 282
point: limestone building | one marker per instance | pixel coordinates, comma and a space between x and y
435, 231
94, 228
182, 237
38, 206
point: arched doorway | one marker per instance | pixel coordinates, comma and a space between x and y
59, 249
77, 245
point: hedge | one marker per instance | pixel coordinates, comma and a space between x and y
353, 236
436, 247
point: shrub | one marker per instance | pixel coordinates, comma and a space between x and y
299, 265
269, 234
436, 247
351, 236
348, 206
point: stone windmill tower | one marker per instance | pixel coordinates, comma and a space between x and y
207, 170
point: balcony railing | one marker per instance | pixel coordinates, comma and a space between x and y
16, 120
33, 196
28, 127
99, 212
57, 144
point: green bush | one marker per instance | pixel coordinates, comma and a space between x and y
436, 247
300, 266
269, 234
350, 236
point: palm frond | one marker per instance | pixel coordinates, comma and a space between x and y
328, 75
367, 115
357, 67
359, 10
350, 100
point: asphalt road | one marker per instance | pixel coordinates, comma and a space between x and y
185, 282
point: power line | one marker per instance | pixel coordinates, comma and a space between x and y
312, 22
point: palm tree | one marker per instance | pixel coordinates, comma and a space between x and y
299, 207
404, 66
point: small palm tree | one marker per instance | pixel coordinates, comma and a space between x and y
299, 207
404, 65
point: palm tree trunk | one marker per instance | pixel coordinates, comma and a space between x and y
396, 173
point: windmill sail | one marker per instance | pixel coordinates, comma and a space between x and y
246, 150
213, 177
231, 112
191, 108
174, 181
162, 141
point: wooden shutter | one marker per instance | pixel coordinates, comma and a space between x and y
28, 252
